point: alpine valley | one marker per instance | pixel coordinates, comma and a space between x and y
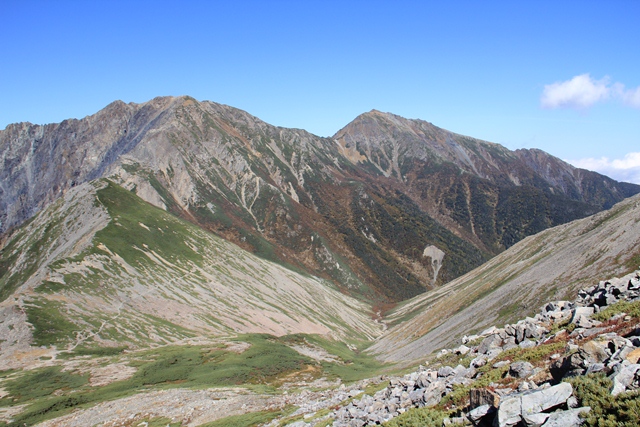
186, 251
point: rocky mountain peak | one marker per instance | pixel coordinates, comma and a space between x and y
358, 208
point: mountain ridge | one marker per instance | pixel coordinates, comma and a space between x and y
358, 209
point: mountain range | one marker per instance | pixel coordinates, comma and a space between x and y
178, 243
385, 209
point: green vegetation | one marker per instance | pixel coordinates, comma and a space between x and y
421, 417
49, 325
40, 383
195, 367
25, 247
594, 390
533, 354
630, 308
354, 365
566, 325
94, 351
125, 236
261, 366
247, 420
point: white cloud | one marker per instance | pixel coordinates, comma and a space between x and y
583, 92
626, 169
631, 97
580, 92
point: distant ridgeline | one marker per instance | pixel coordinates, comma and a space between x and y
357, 209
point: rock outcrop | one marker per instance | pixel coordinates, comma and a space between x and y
525, 394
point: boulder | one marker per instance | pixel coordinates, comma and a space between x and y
527, 343
585, 322
433, 393
596, 351
545, 399
535, 420
462, 350
476, 415
483, 396
633, 356
509, 412
521, 369
491, 342
525, 407
446, 371
581, 311
570, 418
627, 378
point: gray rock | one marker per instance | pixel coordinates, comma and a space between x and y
595, 351
525, 406
468, 339
462, 350
570, 418
492, 354
501, 364
478, 362
483, 396
627, 378
521, 369
446, 371
584, 322
509, 412
527, 343
595, 367
535, 420
581, 311
477, 414
417, 396
491, 342
433, 393
542, 400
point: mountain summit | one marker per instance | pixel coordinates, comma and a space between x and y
385, 209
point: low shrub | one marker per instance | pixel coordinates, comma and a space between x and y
419, 417
631, 308
594, 390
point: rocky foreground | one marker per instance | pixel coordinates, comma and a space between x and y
518, 375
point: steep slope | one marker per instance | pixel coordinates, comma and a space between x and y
489, 194
102, 267
551, 265
387, 209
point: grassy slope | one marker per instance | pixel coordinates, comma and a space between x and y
149, 277
263, 366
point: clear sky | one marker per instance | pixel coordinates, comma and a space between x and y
562, 76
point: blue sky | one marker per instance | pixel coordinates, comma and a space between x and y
562, 76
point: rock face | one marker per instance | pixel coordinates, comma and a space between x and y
357, 209
436, 256
480, 185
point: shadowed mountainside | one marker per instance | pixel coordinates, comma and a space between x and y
551, 265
